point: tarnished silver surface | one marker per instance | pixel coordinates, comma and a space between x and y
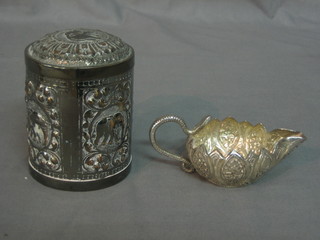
79, 104
80, 48
230, 153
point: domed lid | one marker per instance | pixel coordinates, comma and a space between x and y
79, 48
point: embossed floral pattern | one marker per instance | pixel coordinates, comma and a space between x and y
80, 47
43, 127
105, 126
230, 153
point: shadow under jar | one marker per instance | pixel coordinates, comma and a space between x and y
79, 86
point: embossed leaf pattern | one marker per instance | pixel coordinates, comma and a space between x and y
242, 144
228, 135
233, 170
255, 138
200, 162
238, 153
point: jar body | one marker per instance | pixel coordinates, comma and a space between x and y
79, 125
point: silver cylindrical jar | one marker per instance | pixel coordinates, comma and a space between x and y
79, 109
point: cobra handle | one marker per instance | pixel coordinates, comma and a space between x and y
186, 164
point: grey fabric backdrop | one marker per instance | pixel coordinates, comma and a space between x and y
254, 60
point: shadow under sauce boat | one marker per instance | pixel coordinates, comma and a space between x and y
230, 153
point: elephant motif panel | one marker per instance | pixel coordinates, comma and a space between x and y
78, 97
43, 127
106, 114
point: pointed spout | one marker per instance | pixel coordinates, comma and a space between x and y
286, 140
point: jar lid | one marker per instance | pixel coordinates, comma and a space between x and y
78, 49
